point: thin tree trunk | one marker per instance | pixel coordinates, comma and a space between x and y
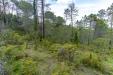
4, 14
43, 22
72, 24
35, 16
111, 34
35, 24
89, 38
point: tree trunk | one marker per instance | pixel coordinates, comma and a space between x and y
43, 22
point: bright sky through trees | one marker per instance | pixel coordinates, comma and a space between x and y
85, 6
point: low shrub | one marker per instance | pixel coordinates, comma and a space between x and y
25, 66
63, 52
101, 44
91, 59
10, 53
17, 62
11, 37
61, 69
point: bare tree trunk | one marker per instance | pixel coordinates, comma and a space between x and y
72, 24
4, 12
35, 15
111, 33
43, 22
89, 38
12, 10
35, 24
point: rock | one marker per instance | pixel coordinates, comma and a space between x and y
2, 69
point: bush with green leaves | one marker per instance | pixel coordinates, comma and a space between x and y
12, 50
10, 37
26, 66
63, 52
91, 59
101, 43
61, 69
17, 60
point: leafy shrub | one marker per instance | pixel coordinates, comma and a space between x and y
17, 61
29, 67
91, 59
63, 52
25, 66
54, 48
11, 37
45, 43
12, 52
61, 69
101, 43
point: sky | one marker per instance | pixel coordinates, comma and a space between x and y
85, 7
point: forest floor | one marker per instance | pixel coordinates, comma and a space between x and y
55, 59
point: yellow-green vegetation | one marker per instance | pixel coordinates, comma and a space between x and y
53, 59
35, 41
